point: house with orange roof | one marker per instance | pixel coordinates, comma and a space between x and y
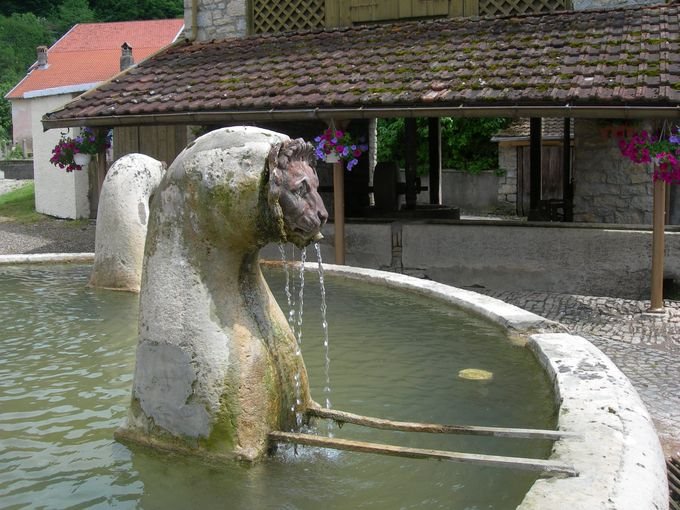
86, 56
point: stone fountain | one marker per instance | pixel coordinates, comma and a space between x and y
217, 363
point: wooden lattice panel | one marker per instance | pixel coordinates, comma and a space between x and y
284, 15
504, 7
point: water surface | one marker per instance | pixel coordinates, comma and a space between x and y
66, 364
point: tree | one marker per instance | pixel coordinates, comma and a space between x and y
72, 12
125, 10
466, 143
9, 7
20, 34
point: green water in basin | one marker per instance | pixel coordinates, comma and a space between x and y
66, 364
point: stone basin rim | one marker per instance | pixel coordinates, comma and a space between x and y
616, 452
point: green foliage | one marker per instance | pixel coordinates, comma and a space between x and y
27, 24
126, 10
19, 205
15, 153
71, 12
20, 34
466, 143
5, 111
9, 7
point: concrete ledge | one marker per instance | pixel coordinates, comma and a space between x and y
47, 258
617, 452
620, 461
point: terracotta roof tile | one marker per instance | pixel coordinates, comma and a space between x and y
90, 53
618, 57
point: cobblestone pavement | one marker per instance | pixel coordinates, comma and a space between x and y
645, 347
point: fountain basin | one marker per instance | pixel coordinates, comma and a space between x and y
617, 453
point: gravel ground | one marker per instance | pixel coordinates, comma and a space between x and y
49, 235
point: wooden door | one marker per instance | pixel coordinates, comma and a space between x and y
552, 182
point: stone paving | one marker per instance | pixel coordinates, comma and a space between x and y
645, 347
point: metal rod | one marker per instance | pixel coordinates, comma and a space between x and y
544, 466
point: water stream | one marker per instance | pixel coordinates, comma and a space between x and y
326, 344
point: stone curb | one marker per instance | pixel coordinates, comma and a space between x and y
616, 450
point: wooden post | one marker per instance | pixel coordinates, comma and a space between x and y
567, 188
656, 305
535, 163
547, 467
339, 211
435, 428
435, 146
411, 163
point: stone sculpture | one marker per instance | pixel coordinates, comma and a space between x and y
122, 219
216, 359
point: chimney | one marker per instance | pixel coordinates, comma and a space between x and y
42, 57
126, 58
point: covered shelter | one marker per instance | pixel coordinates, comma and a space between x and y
618, 63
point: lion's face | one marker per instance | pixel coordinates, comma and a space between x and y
303, 211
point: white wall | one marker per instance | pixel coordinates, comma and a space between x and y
21, 124
57, 193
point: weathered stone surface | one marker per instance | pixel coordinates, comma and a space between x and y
603, 178
216, 359
122, 220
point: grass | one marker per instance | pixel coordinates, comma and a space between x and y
19, 205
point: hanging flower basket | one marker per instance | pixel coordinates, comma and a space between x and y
81, 159
334, 145
661, 149
68, 152
331, 158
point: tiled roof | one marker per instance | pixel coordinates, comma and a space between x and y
89, 53
551, 129
622, 58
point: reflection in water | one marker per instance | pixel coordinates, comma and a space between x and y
66, 364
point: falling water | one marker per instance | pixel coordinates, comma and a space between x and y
295, 312
324, 326
298, 352
287, 289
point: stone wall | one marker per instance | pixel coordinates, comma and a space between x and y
18, 169
507, 183
217, 19
608, 188
558, 257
